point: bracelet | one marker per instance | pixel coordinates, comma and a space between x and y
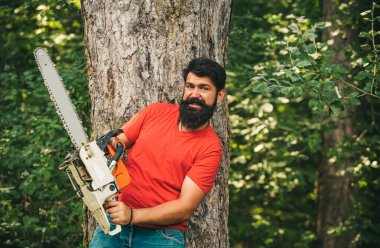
130, 221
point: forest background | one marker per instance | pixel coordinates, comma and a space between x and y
285, 95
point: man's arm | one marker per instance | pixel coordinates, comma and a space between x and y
168, 213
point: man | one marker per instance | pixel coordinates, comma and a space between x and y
173, 160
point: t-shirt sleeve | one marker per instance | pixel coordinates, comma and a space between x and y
133, 127
203, 171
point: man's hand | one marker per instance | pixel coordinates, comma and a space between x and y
114, 141
121, 138
119, 212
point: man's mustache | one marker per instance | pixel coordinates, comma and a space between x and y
196, 101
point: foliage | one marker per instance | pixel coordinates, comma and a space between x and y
283, 91
38, 206
310, 70
275, 144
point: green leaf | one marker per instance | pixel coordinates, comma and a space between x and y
308, 74
355, 101
271, 88
310, 33
286, 90
293, 49
259, 87
294, 78
326, 69
310, 49
336, 108
365, 47
301, 19
294, 28
327, 53
288, 72
365, 13
364, 35
354, 94
320, 25
339, 70
363, 75
316, 104
328, 85
313, 83
297, 91
303, 63
368, 87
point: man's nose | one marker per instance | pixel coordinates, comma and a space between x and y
195, 93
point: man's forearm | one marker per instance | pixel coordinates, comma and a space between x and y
172, 212
169, 213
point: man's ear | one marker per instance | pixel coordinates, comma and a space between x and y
220, 95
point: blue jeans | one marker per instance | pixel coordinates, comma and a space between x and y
139, 237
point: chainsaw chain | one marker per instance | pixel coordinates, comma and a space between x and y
55, 102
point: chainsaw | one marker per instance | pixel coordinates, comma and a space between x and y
96, 171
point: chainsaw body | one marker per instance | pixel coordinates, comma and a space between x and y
93, 181
94, 168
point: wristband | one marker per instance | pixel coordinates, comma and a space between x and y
130, 221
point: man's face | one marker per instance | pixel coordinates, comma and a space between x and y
199, 99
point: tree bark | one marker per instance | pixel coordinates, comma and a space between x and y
136, 51
334, 183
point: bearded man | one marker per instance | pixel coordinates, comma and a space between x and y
173, 160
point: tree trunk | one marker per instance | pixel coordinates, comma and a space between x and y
136, 51
334, 185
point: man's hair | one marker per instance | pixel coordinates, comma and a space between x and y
203, 67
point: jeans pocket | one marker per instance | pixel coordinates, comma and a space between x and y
174, 235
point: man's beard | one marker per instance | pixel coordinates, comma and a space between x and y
194, 118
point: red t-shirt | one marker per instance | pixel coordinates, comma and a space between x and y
162, 157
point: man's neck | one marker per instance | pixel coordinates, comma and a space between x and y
183, 128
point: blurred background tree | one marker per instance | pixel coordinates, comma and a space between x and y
285, 102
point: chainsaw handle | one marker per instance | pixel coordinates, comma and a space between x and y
118, 169
119, 152
115, 231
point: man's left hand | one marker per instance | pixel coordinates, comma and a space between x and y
119, 212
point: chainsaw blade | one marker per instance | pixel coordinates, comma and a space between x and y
60, 98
